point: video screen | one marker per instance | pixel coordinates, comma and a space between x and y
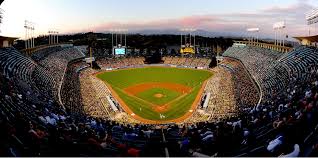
120, 51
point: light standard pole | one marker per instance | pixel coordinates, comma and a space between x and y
57, 37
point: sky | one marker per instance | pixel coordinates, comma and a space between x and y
230, 16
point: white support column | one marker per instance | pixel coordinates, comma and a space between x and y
55, 35
116, 39
284, 37
29, 40
112, 42
275, 37
194, 44
126, 39
54, 38
112, 39
33, 37
190, 39
49, 36
121, 38
181, 40
26, 38
280, 37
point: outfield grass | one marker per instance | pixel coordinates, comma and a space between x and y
121, 79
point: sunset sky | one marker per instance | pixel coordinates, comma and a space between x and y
71, 16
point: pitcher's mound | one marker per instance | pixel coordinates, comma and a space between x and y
158, 95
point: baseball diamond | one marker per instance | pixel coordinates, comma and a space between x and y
160, 94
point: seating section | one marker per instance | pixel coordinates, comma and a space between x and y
70, 90
16, 65
55, 64
187, 61
42, 53
275, 71
120, 62
34, 124
231, 91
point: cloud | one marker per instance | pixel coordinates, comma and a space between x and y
235, 23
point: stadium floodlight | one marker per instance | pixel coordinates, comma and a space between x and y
53, 36
191, 32
119, 43
187, 29
29, 34
279, 25
252, 30
312, 16
279, 33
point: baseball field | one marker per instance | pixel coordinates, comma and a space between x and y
157, 94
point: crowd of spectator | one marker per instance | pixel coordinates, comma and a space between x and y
246, 91
94, 104
187, 61
71, 88
33, 124
42, 53
121, 62
218, 101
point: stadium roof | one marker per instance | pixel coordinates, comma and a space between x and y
2, 38
6, 41
307, 40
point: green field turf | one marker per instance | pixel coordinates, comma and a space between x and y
149, 95
121, 79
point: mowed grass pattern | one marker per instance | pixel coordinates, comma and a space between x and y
121, 79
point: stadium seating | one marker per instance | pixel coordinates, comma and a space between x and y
274, 71
187, 61
33, 123
40, 54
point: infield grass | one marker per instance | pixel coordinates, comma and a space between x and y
167, 95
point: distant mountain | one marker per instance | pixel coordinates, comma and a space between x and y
178, 32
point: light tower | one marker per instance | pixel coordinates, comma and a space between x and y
29, 34
53, 36
188, 33
312, 18
120, 38
279, 29
251, 35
